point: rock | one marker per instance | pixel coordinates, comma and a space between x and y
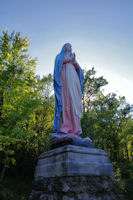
59, 139
84, 187
84, 196
66, 188
44, 197
67, 198
35, 195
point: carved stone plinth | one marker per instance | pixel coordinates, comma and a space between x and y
71, 160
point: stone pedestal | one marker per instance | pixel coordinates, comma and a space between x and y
75, 173
71, 160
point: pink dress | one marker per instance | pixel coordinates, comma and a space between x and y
71, 98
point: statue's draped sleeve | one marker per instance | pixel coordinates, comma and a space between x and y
57, 90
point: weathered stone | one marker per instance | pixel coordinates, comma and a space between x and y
91, 187
35, 195
84, 196
44, 197
58, 140
67, 198
70, 160
65, 188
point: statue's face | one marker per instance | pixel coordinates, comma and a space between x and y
68, 47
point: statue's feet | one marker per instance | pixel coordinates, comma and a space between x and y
86, 139
71, 135
61, 139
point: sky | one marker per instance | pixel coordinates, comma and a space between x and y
100, 31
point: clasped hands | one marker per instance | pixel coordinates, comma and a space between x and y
76, 65
72, 58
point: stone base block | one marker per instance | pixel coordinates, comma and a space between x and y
71, 160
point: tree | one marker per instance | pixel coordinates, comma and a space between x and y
18, 96
92, 87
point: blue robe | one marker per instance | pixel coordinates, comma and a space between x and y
58, 87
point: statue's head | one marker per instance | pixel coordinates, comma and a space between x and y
66, 47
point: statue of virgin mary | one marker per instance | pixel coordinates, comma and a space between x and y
68, 88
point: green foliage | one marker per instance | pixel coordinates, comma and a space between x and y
108, 121
25, 109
